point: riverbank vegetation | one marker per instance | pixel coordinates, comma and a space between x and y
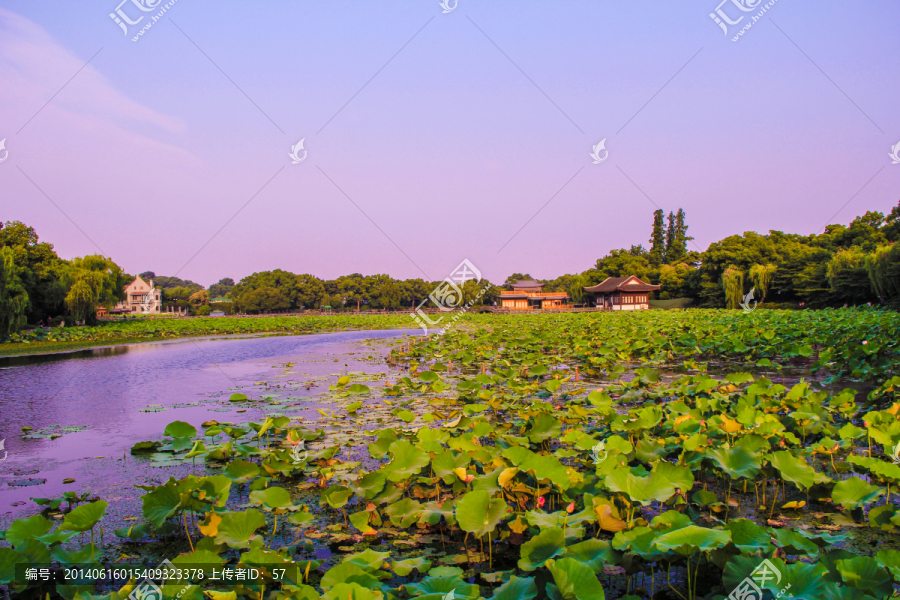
574, 456
843, 266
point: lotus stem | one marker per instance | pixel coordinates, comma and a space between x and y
186, 531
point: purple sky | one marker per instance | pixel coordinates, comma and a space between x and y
451, 147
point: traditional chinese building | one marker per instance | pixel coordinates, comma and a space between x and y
622, 293
529, 295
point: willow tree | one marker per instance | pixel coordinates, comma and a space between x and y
91, 282
733, 282
883, 267
13, 297
761, 276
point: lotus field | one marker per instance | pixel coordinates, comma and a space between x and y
689, 454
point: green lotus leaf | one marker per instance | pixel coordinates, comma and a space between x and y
405, 567
436, 587
547, 467
748, 536
343, 591
369, 486
197, 449
9, 558
241, 471
794, 542
854, 492
145, 447
574, 580
180, 429
640, 489
795, 470
890, 560
549, 543
681, 478
805, 580
690, 539
368, 560
237, 397
84, 517
432, 512
864, 573
428, 376
704, 497
537, 371
404, 513
218, 487
272, 497
887, 470
238, 529
544, 427
358, 388
348, 572
516, 588
336, 496
595, 553
737, 462
406, 461
478, 513
26, 529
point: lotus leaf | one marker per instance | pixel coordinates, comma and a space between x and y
549, 543
478, 513
406, 461
238, 529
855, 492
574, 580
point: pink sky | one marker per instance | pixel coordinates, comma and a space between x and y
452, 145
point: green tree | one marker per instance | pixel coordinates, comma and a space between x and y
221, 289
263, 299
13, 297
658, 248
848, 277
883, 267
891, 228
507, 285
733, 283
91, 282
38, 270
677, 238
761, 276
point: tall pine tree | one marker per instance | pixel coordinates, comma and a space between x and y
676, 238
657, 240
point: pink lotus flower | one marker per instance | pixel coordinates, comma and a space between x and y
541, 502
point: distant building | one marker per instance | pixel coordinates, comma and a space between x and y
140, 297
622, 293
528, 295
221, 299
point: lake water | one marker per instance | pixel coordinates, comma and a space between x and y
96, 402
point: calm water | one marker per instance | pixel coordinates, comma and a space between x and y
102, 392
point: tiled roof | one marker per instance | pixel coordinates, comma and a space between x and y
612, 284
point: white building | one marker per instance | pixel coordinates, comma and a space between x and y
141, 297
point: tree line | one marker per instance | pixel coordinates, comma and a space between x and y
844, 265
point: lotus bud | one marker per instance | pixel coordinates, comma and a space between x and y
570, 508
541, 502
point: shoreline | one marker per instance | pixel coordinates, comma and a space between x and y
56, 348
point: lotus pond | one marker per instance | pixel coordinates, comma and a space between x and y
691, 454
